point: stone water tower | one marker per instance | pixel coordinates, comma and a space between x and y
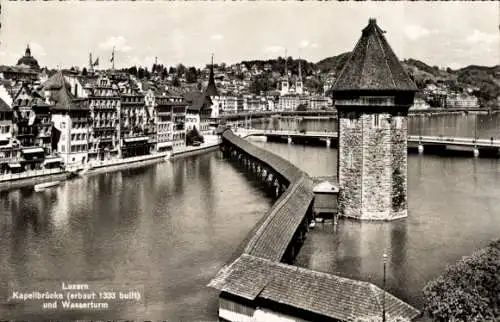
372, 95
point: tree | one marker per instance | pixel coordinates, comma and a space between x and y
176, 82
140, 73
301, 107
192, 136
468, 290
181, 70
164, 73
262, 83
84, 71
172, 70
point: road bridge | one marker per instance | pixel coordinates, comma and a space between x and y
422, 144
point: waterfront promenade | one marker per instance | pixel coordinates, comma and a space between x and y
32, 177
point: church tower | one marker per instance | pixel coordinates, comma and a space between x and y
213, 93
372, 95
299, 87
285, 83
211, 88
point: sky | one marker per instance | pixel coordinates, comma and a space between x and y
446, 34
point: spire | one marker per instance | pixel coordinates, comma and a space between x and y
300, 71
112, 60
373, 66
28, 50
211, 88
286, 65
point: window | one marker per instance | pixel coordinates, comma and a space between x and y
63, 148
376, 120
398, 122
63, 125
350, 159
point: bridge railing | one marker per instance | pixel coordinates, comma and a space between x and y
286, 169
459, 140
276, 231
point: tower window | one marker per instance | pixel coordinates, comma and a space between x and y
350, 159
398, 122
376, 120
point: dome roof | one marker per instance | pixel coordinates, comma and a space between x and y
28, 60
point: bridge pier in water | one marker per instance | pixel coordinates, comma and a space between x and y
265, 174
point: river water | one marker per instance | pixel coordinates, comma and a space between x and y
170, 227
456, 125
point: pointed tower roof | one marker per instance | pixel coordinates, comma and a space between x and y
373, 66
60, 94
211, 88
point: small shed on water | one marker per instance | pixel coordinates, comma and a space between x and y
325, 197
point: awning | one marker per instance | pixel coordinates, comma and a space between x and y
52, 160
33, 150
137, 139
14, 165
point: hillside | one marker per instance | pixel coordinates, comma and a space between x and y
333, 64
485, 80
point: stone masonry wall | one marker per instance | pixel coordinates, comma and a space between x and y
377, 174
350, 160
399, 198
372, 166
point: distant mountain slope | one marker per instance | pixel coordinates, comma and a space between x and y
486, 80
333, 64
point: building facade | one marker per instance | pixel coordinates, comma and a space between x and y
164, 120
71, 122
288, 102
136, 130
373, 107
179, 126
104, 104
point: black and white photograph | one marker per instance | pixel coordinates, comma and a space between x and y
250, 161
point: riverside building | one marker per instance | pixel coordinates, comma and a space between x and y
71, 121
136, 123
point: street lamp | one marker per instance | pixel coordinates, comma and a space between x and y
383, 288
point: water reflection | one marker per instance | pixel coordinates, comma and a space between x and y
451, 213
169, 227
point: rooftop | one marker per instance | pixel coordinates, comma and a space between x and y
329, 295
60, 94
197, 100
4, 107
372, 65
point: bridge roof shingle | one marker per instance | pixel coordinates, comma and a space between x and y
272, 238
372, 65
258, 273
